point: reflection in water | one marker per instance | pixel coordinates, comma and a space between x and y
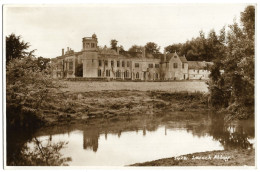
90, 139
127, 142
232, 135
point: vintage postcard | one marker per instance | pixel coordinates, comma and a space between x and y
126, 85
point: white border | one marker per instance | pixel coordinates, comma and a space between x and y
76, 2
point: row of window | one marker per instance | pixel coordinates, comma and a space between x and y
137, 65
126, 74
88, 45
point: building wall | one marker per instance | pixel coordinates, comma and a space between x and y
199, 74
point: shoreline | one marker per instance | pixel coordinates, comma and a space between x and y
234, 157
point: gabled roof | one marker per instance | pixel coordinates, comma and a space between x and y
183, 59
199, 64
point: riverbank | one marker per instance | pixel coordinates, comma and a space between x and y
235, 157
71, 107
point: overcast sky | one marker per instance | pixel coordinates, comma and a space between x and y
51, 28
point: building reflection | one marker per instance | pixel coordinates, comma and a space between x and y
90, 139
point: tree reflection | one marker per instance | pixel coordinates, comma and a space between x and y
230, 135
37, 153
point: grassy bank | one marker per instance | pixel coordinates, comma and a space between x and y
240, 157
176, 86
81, 107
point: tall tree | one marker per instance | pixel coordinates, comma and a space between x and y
135, 48
15, 47
152, 48
113, 44
236, 85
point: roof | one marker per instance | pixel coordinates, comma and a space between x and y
199, 64
183, 59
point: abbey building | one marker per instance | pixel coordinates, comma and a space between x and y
103, 63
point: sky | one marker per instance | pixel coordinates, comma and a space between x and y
49, 28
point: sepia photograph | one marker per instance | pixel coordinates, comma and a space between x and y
126, 85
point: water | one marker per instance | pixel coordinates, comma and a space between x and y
124, 142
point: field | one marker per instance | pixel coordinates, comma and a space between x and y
178, 86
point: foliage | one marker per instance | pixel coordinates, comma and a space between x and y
152, 48
234, 89
43, 63
45, 154
15, 48
28, 89
135, 48
113, 44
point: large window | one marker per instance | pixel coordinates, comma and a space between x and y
123, 63
128, 63
126, 74
118, 63
106, 62
175, 65
156, 65
118, 74
112, 63
182, 65
99, 73
107, 72
150, 65
70, 65
136, 65
137, 75
92, 45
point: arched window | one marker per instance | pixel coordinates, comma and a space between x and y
99, 72
137, 75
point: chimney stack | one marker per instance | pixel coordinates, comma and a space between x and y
62, 51
68, 49
117, 50
143, 52
164, 55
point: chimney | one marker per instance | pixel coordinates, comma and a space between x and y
117, 50
68, 49
143, 52
62, 51
164, 55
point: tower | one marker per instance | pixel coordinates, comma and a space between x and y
90, 43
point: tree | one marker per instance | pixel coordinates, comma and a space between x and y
152, 48
113, 44
43, 62
15, 48
236, 85
135, 48
173, 48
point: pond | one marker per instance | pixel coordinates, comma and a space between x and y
124, 142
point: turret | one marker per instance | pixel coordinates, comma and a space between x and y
90, 43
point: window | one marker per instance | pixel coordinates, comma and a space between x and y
182, 65
106, 62
175, 56
137, 65
156, 65
100, 63
118, 74
87, 45
118, 63
92, 45
112, 63
175, 65
70, 65
107, 72
156, 76
128, 64
123, 63
137, 75
126, 74
150, 65
99, 73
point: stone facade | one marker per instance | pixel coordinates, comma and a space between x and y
106, 63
